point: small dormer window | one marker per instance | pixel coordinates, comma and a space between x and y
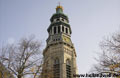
62, 19
58, 20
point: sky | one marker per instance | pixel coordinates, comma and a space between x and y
90, 20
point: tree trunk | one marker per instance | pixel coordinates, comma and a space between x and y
19, 76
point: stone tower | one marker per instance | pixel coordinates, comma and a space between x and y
59, 54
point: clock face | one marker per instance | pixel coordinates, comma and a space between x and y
66, 39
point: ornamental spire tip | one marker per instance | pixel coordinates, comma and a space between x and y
59, 6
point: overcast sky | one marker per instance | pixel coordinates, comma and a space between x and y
90, 20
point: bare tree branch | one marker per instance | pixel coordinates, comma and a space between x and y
20, 58
109, 60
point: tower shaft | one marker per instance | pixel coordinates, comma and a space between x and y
59, 54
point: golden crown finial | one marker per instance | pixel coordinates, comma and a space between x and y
59, 6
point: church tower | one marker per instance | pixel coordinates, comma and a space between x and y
59, 54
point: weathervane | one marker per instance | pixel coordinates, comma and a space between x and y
59, 3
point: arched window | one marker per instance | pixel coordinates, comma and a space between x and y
56, 68
62, 28
58, 29
66, 30
54, 30
56, 61
68, 69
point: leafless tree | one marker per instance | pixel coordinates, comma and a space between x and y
47, 73
4, 73
24, 58
109, 60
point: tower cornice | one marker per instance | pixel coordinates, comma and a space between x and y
58, 16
